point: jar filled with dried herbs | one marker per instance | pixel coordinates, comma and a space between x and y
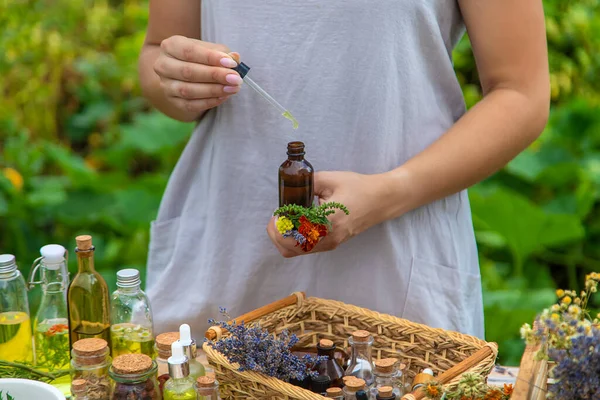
90, 361
134, 377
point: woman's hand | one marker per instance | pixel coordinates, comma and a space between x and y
195, 75
365, 196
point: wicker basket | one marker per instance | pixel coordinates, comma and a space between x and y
311, 319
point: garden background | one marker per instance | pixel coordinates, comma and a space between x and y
82, 152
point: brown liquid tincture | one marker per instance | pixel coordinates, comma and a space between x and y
296, 178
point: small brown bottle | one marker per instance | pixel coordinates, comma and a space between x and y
296, 177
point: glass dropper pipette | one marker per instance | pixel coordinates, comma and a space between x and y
243, 69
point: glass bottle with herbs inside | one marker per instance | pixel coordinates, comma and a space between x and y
51, 324
180, 386
134, 377
361, 362
131, 329
15, 322
88, 297
90, 361
296, 178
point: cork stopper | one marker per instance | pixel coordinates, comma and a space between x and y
131, 364
385, 365
361, 336
347, 378
205, 381
325, 343
79, 386
385, 391
90, 347
165, 340
355, 384
84, 242
334, 392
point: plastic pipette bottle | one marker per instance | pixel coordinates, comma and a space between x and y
180, 386
189, 349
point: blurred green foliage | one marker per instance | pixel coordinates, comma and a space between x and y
81, 152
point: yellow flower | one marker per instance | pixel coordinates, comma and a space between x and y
284, 224
574, 310
567, 300
555, 316
560, 293
14, 177
555, 308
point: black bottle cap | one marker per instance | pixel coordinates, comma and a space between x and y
378, 397
320, 384
361, 395
242, 69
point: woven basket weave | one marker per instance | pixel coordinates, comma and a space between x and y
418, 346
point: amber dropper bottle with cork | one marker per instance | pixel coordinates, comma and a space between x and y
88, 297
296, 178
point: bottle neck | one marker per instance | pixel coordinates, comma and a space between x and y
129, 290
327, 352
361, 351
54, 279
85, 260
295, 157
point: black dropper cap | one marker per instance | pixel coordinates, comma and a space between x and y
242, 69
320, 384
361, 395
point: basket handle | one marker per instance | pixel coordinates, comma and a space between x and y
294, 298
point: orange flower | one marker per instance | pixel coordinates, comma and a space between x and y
58, 328
493, 394
508, 389
312, 233
432, 390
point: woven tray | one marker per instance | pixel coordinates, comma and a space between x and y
418, 346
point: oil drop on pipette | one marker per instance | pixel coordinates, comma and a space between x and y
243, 69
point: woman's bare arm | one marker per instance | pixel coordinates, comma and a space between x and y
181, 75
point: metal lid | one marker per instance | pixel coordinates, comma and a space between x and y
7, 263
128, 278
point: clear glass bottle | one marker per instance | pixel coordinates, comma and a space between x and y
329, 367
207, 388
189, 347
131, 330
386, 374
162, 348
90, 361
51, 323
385, 393
361, 362
296, 178
79, 390
134, 378
15, 323
180, 386
353, 386
88, 297
335, 393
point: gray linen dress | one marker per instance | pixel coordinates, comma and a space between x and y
372, 84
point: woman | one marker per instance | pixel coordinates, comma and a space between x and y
384, 122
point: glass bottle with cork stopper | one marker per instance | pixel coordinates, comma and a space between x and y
335, 393
90, 361
207, 388
353, 386
386, 374
15, 322
131, 329
329, 367
296, 178
134, 377
361, 362
88, 297
180, 386
385, 393
79, 389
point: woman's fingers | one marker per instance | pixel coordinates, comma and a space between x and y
172, 68
188, 90
197, 51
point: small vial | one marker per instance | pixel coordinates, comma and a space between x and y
385, 393
79, 389
335, 393
296, 178
207, 388
353, 386
361, 363
386, 374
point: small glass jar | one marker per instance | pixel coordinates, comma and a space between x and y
353, 386
134, 378
335, 393
90, 361
385, 393
361, 363
79, 389
207, 388
386, 374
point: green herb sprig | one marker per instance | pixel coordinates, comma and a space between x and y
8, 396
10, 369
316, 215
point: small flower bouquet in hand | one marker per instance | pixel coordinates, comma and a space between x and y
571, 338
306, 225
255, 349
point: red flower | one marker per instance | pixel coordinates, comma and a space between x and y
312, 233
58, 328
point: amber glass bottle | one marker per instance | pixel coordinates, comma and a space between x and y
296, 177
88, 298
